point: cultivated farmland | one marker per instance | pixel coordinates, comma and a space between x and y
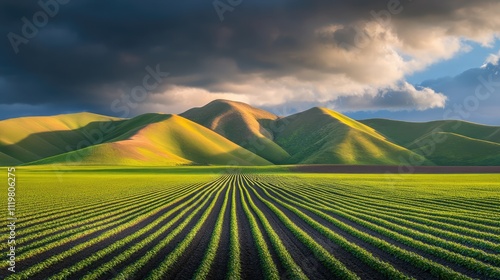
206, 223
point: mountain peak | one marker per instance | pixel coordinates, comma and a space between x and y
241, 123
320, 110
227, 104
226, 101
220, 107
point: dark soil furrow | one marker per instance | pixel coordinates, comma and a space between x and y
431, 257
250, 262
302, 255
350, 261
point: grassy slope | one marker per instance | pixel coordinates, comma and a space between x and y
156, 139
311, 137
8, 160
458, 150
247, 126
320, 135
404, 133
31, 138
445, 142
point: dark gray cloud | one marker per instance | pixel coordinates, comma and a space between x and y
91, 52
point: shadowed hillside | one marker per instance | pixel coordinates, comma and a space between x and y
32, 138
157, 139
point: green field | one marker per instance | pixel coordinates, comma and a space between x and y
252, 223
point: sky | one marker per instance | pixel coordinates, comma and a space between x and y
400, 59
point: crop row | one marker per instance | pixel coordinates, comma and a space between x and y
300, 227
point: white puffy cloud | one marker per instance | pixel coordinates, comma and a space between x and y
493, 59
177, 99
299, 96
362, 61
394, 98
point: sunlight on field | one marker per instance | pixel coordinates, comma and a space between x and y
253, 223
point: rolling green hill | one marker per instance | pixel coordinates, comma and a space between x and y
8, 160
457, 150
404, 133
160, 140
321, 136
247, 126
445, 142
233, 133
32, 138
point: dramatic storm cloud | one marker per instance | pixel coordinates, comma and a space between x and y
59, 56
